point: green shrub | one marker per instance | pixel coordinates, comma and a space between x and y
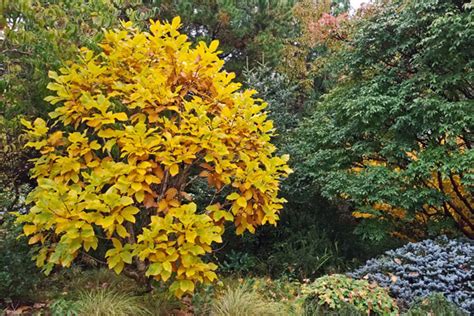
63, 307
19, 276
304, 254
243, 300
435, 304
332, 293
203, 298
237, 262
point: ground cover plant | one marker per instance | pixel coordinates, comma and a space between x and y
337, 292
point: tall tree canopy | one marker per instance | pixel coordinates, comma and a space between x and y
394, 135
247, 30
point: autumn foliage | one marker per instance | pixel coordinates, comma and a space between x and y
134, 126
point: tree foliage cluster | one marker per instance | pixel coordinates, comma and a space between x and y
394, 134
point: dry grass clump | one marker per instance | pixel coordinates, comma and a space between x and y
243, 300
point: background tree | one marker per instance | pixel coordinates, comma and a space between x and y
247, 30
319, 32
394, 135
36, 37
136, 125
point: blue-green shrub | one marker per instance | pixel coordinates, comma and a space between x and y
420, 269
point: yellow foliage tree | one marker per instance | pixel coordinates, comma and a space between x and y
135, 126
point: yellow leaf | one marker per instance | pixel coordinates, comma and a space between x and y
26, 123
174, 170
126, 200
186, 285
136, 186
109, 144
362, 215
121, 231
162, 205
149, 179
127, 24
154, 269
242, 202
119, 267
233, 196
128, 212
213, 46
108, 133
117, 244
35, 239
140, 196
167, 266
176, 22
29, 229
121, 116
165, 275
107, 221
126, 256
191, 236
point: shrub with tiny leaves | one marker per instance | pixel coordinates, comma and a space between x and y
332, 293
420, 269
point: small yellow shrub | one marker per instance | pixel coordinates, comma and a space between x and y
134, 126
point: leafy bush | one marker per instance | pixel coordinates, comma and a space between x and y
435, 304
419, 269
332, 293
18, 273
189, 123
243, 300
306, 244
237, 262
